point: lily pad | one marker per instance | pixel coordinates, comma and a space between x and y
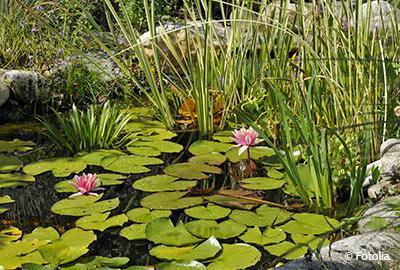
162, 231
203, 251
134, 232
256, 153
269, 236
202, 147
170, 201
162, 146
311, 241
84, 205
13, 180
69, 247
15, 254
95, 158
129, 164
230, 201
144, 151
101, 222
141, 125
275, 174
162, 182
61, 167
286, 250
98, 262
212, 211
9, 164
181, 265
261, 183
16, 145
235, 256
223, 136
144, 215
211, 159
191, 171
264, 216
42, 234
5, 200
306, 223
207, 228
10, 234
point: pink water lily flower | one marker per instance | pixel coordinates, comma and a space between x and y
244, 138
85, 184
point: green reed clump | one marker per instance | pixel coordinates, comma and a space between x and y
99, 127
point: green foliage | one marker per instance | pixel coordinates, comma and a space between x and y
97, 128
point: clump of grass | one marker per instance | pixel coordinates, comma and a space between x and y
99, 127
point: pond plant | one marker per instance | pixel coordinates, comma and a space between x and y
234, 143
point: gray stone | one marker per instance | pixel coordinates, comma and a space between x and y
4, 90
26, 85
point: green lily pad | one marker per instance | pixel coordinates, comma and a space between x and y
16, 145
256, 153
170, 201
191, 171
13, 180
286, 250
98, 262
5, 200
261, 183
210, 158
42, 234
181, 265
275, 174
306, 223
144, 215
65, 186
162, 182
235, 256
212, 211
264, 216
9, 164
223, 136
101, 222
202, 147
269, 236
61, 167
134, 232
10, 234
162, 146
69, 247
129, 164
13, 261
203, 251
207, 228
96, 157
153, 134
144, 151
162, 231
141, 125
310, 241
230, 201
84, 205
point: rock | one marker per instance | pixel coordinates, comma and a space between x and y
4, 90
380, 210
365, 251
26, 85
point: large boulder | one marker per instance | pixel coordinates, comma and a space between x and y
4, 90
25, 85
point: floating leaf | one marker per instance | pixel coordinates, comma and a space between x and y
310, 241
5, 200
15, 145
191, 171
202, 147
212, 211
9, 164
162, 146
181, 265
42, 234
110, 179
223, 136
134, 232
170, 201
162, 182
69, 247
230, 201
235, 256
101, 222
205, 250
261, 183
141, 125
13, 180
275, 174
61, 167
207, 228
306, 223
210, 158
83, 205
162, 231
129, 164
269, 236
144, 151
286, 250
95, 158
144, 215
264, 216
16, 261
256, 153
10, 234
98, 262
